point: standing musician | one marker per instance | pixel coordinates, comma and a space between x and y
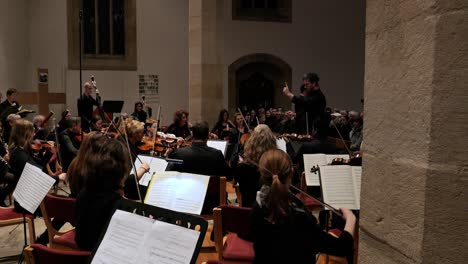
70, 141
283, 229
223, 127
310, 108
139, 114
85, 105
180, 127
10, 101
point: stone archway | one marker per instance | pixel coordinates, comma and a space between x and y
258, 68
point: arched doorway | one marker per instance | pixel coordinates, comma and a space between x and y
256, 80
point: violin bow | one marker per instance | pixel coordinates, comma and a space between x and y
342, 140
131, 161
57, 144
243, 118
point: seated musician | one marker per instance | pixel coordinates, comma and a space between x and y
283, 230
201, 159
180, 127
288, 123
8, 125
246, 171
139, 113
20, 151
104, 171
39, 131
239, 129
96, 123
70, 141
135, 132
223, 127
356, 134
253, 119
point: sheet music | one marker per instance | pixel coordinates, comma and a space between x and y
32, 187
168, 244
218, 144
124, 236
338, 188
132, 238
156, 165
356, 172
177, 191
311, 160
281, 144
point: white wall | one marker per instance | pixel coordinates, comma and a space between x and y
14, 44
326, 37
162, 49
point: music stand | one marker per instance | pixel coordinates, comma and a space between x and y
110, 107
164, 215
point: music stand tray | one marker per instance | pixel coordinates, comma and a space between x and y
111, 106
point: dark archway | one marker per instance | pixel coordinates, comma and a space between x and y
257, 80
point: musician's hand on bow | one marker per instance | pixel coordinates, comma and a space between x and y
348, 214
62, 176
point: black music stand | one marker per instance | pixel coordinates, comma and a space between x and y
164, 215
110, 107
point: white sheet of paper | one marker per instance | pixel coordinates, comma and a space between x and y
178, 191
32, 187
338, 188
220, 145
156, 165
281, 144
132, 238
356, 172
311, 160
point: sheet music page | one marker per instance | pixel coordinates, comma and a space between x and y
168, 243
156, 165
331, 157
313, 160
124, 237
32, 187
218, 144
338, 186
177, 191
356, 172
281, 144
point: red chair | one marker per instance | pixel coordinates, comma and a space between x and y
62, 209
9, 217
38, 254
233, 220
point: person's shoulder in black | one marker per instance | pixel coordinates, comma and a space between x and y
248, 176
93, 211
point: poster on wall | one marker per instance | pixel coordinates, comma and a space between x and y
148, 86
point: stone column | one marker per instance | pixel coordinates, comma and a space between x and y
205, 59
414, 195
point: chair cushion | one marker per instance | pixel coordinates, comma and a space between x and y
236, 248
66, 240
9, 213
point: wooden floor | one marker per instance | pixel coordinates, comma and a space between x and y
12, 241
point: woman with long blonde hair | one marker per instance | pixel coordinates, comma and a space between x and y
246, 172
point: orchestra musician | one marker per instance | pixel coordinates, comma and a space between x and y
246, 171
138, 113
85, 105
39, 131
96, 123
70, 141
239, 129
62, 124
104, 172
8, 125
10, 101
284, 231
180, 127
223, 126
310, 108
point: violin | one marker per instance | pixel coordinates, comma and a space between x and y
354, 160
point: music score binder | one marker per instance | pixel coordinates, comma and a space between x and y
132, 236
314, 160
341, 186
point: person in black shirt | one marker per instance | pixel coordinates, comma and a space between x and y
180, 126
223, 127
310, 108
85, 105
96, 124
69, 141
6, 108
201, 159
139, 114
283, 230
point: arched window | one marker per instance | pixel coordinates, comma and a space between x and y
262, 10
